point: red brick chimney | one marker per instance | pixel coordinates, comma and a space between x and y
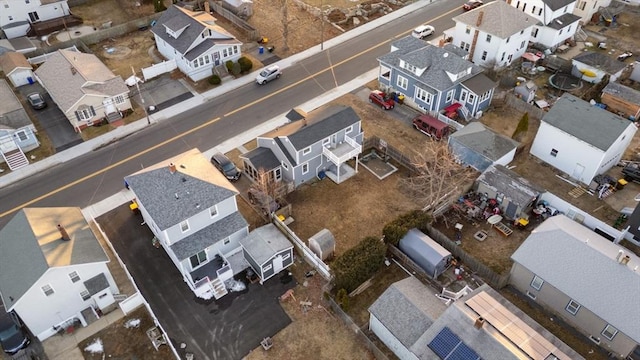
172, 168
63, 233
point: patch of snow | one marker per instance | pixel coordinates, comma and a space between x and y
95, 347
133, 323
235, 285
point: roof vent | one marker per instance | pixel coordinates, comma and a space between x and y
73, 70
479, 323
184, 179
177, 197
63, 233
445, 55
172, 168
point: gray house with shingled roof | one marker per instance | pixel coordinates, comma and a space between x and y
191, 209
194, 42
433, 78
53, 270
587, 280
416, 325
318, 144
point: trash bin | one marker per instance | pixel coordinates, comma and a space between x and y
261, 50
621, 184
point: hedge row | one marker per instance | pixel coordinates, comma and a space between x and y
359, 263
398, 228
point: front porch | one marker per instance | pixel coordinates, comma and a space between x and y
339, 154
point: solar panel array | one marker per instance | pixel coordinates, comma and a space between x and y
448, 346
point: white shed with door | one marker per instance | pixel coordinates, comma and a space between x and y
323, 244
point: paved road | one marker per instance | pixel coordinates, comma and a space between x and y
84, 181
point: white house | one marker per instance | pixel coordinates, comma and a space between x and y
16, 68
53, 270
17, 132
191, 209
586, 8
557, 21
84, 88
489, 39
415, 324
194, 41
580, 139
592, 66
18, 15
588, 281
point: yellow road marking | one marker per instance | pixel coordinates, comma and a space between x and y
190, 131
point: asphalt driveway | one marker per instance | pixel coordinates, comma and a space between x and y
228, 328
53, 121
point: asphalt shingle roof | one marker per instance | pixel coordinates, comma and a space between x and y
557, 4
264, 243
483, 140
437, 61
172, 198
12, 60
520, 190
623, 92
323, 123
493, 19
563, 21
30, 244
479, 84
586, 122
96, 284
600, 61
582, 264
69, 76
262, 158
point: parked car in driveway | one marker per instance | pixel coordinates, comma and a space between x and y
36, 101
423, 31
381, 99
269, 73
226, 166
13, 337
472, 5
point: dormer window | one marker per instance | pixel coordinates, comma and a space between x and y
462, 74
410, 67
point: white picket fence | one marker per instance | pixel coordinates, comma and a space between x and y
159, 69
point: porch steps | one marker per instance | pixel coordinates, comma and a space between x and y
113, 117
219, 290
15, 159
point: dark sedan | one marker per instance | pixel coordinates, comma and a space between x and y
36, 101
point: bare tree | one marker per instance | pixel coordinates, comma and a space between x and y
265, 192
439, 176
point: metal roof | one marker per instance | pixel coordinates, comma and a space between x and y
582, 265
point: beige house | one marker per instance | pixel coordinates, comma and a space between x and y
84, 89
16, 68
587, 280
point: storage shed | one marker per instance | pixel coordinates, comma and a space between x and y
323, 244
622, 100
268, 251
424, 251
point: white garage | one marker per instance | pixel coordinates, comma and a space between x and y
16, 68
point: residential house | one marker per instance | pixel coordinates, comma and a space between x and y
317, 145
491, 41
515, 195
587, 8
557, 21
194, 42
478, 146
268, 251
84, 88
17, 15
17, 132
622, 100
415, 324
432, 78
191, 209
592, 66
53, 270
585, 279
16, 68
580, 139
242, 8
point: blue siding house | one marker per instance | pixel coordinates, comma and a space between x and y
17, 132
314, 145
434, 78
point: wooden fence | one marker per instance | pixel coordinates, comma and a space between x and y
360, 334
386, 150
242, 25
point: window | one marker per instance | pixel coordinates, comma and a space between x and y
509, 38
485, 96
609, 332
285, 166
537, 282
410, 67
572, 307
47, 290
286, 256
594, 339
565, 9
502, 57
305, 168
424, 96
226, 241
450, 95
463, 95
533, 10
560, 32
184, 226
277, 174
326, 141
518, 5
349, 129
554, 152
33, 16
213, 211
488, 38
521, 32
197, 259
569, 29
402, 82
534, 32
467, 31
306, 151
118, 99
540, 12
582, 5
522, 44
531, 295
484, 55
74, 276
85, 113
22, 135
85, 295
524, 7
267, 268
471, 98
